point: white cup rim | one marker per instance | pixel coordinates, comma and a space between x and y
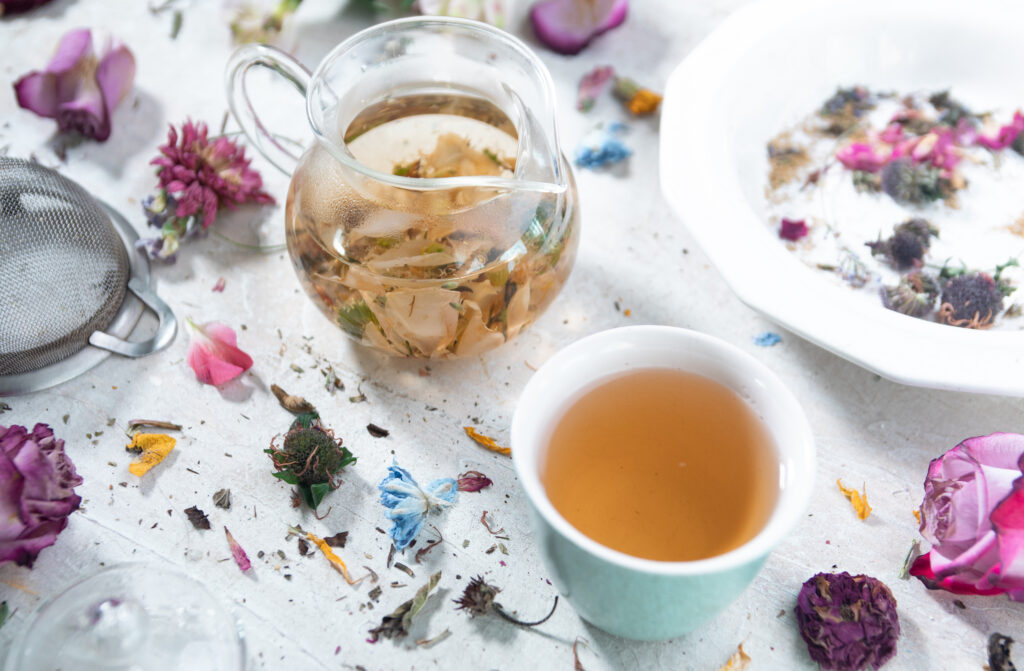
796, 452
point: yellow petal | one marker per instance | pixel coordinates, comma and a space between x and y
739, 661
859, 501
487, 442
154, 447
333, 558
917, 515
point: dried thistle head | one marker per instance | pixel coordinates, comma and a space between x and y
312, 454
971, 300
914, 295
478, 597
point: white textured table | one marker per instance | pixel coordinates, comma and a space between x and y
297, 612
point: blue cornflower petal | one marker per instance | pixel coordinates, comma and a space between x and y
767, 339
602, 147
409, 504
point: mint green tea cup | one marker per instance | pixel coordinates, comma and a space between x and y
629, 596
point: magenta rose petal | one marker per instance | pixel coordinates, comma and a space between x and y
567, 26
237, 553
1008, 519
43, 91
115, 75
214, 354
592, 85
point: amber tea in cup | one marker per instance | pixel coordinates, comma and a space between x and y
662, 464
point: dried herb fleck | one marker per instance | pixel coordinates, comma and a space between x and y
197, 517
222, 499
999, 653
293, 404
338, 540
396, 625
422, 552
4, 613
376, 431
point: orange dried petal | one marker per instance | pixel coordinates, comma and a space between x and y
644, 102
154, 446
487, 441
857, 499
739, 660
335, 560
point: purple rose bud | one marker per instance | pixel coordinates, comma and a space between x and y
37, 481
849, 622
78, 89
16, 6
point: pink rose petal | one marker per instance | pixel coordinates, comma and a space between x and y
237, 553
792, 229
214, 356
1006, 135
593, 85
861, 156
567, 26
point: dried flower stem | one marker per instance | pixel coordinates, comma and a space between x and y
155, 423
501, 611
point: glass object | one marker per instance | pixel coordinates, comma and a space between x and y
133, 617
435, 215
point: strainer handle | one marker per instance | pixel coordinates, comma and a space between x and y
166, 327
243, 60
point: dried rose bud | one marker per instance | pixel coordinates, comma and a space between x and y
907, 245
792, 229
473, 481
478, 597
914, 295
971, 300
848, 622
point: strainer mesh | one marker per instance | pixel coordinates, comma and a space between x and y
63, 267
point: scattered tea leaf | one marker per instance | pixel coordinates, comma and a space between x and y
391, 555
857, 499
375, 593
427, 642
373, 574
303, 546
396, 625
222, 499
153, 448
739, 660
486, 441
404, 569
198, 518
338, 540
376, 431
293, 404
913, 553
4, 408
4, 613
297, 368
999, 653
154, 423
237, 553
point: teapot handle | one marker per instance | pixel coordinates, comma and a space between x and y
244, 59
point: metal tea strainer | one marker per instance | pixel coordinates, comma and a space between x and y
66, 265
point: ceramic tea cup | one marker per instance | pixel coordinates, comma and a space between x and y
629, 596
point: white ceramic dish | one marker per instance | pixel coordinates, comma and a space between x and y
762, 70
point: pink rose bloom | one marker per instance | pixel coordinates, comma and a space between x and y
77, 88
861, 156
892, 134
973, 515
37, 481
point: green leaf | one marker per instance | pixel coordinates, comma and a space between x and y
304, 420
287, 476
420, 600
346, 458
314, 494
353, 318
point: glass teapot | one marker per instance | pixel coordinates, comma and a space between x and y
434, 216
